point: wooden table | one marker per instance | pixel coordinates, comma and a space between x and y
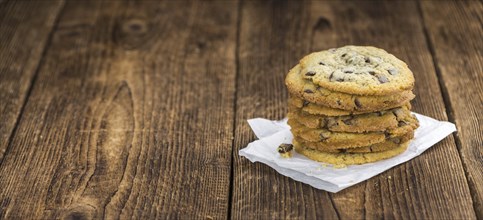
138, 109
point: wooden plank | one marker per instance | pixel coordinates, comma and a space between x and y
131, 115
24, 32
274, 36
270, 42
456, 42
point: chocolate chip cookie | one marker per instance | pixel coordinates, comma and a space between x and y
388, 144
346, 139
315, 109
348, 158
358, 70
377, 121
305, 89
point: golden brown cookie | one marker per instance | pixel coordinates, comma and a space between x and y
379, 121
308, 91
348, 158
382, 146
361, 70
347, 140
315, 109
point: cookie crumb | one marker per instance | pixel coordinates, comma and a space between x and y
285, 150
340, 166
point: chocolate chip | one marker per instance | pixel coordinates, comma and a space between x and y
323, 136
340, 80
368, 60
396, 140
305, 103
343, 55
310, 73
348, 121
348, 71
308, 91
372, 73
357, 103
387, 135
331, 75
331, 122
285, 148
322, 63
382, 79
392, 71
401, 123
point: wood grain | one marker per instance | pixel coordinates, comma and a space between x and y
131, 115
273, 37
457, 47
270, 42
137, 109
25, 28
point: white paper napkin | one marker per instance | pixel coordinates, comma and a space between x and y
322, 176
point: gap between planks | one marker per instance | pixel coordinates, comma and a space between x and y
234, 121
33, 79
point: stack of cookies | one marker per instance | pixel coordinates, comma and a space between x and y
350, 105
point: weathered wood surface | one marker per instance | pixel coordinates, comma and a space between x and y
455, 32
137, 109
273, 37
131, 115
24, 30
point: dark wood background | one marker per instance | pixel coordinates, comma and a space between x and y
137, 109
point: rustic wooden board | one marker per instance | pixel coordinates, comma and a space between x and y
455, 30
25, 28
131, 115
130, 111
273, 37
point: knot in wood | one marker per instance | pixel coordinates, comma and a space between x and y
134, 26
322, 24
80, 212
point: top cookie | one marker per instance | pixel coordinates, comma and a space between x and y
360, 70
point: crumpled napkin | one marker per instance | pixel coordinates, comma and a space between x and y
323, 176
